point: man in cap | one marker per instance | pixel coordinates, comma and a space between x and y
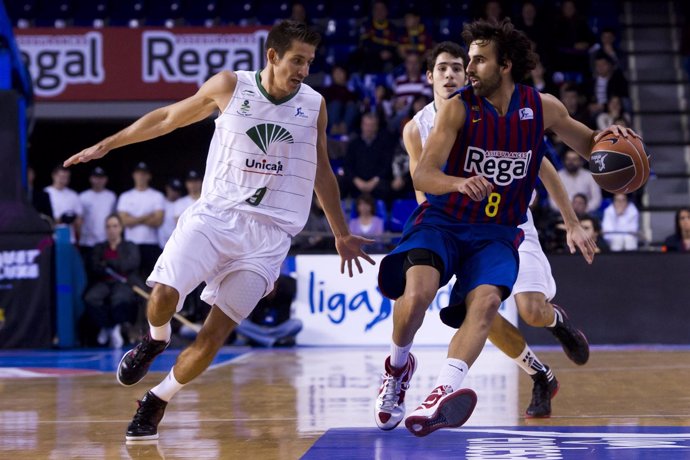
98, 203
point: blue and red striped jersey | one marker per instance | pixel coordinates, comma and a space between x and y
507, 150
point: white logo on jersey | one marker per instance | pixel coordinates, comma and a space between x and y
502, 167
526, 113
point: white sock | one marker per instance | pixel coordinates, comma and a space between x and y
399, 355
556, 318
529, 362
452, 373
168, 387
161, 333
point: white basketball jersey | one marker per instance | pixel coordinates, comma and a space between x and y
425, 121
262, 158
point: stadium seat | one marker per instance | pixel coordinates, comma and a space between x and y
201, 12
127, 13
400, 212
90, 13
165, 13
54, 13
22, 12
272, 11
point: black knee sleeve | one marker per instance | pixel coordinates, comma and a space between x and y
423, 257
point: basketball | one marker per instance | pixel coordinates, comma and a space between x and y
619, 164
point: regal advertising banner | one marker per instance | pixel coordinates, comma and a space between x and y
338, 310
122, 64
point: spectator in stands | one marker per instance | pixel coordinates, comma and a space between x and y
367, 164
316, 234
571, 37
580, 205
192, 183
67, 209
493, 11
592, 227
401, 185
38, 197
621, 224
606, 45
110, 303
414, 38
680, 240
613, 111
531, 23
572, 100
383, 107
97, 203
367, 223
540, 80
608, 81
410, 85
341, 103
577, 179
378, 42
141, 210
173, 192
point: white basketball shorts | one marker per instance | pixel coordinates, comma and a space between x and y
535, 272
206, 248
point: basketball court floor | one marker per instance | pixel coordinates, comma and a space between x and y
317, 403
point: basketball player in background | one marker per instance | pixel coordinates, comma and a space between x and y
478, 169
267, 155
446, 74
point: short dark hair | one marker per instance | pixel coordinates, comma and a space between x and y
451, 48
59, 167
511, 44
581, 195
596, 225
282, 34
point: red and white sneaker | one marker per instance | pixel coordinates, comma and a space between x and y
390, 404
443, 408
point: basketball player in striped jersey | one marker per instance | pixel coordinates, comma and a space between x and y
267, 155
478, 169
446, 74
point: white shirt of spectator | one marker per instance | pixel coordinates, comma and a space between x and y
580, 182
137, 203
97, 207
169, 222
62, 201
620, 231
181, 206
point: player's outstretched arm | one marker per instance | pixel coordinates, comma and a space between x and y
413, 146
429, 176
575, 135
212, 95
326, 187
575, 234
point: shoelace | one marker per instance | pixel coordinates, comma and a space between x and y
391, 390
140, 351
144, 412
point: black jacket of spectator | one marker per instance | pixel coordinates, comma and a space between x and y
674, 243
367, 161
126, 264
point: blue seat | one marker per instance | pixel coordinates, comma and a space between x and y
165, 13
21, 12
90, 13
127, 12
201, 12
272, 11
241, 12
400, 212
52, 13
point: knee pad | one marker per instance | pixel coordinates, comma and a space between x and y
422, 256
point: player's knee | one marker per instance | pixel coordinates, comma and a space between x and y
209, 341
419, 298
533, 312
164, 298
485, 306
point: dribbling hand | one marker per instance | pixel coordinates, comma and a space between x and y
577, 237
616, 130
350, 248
476, 187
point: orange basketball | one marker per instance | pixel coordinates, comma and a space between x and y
619, 164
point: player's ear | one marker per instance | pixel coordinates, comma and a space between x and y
272, 56
430, 78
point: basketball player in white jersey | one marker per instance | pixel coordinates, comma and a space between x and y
446, 74
267, 155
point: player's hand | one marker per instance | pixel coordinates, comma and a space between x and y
476, 187
578, 238
92, 153
618, 131
350, 248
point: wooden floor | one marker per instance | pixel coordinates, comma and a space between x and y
277, 404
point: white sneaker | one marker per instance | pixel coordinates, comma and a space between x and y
443, 408
116, 340
390, 403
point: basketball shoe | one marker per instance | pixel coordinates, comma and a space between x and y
136, 362
572, 340
390, 404
443, 408
544, 389
144, 425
